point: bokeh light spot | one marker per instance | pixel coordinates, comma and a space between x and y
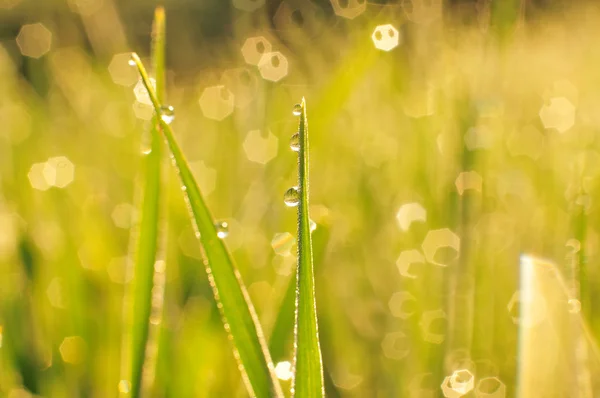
273, 66
73, 350
406, 259
254, 48
121, 72
437, 239
559, 114
260, 149
34, 40
283, 370
140, 92
385, 37
395, 345
427, 329
468, 180
216, 102
402, 305
59, 171
36, 177
490, 387
282, 243
410, 213
123, 215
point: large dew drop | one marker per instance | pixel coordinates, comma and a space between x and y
295, 142
291, 198
297, 110
131, 61
167, 113
222, 229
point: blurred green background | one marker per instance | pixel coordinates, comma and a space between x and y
454, 141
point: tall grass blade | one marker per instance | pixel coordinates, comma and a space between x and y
148, 228
308, 365
239, 316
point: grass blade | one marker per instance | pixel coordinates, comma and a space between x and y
148, 228
239, 316
308, 365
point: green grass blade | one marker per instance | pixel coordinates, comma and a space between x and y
239, 316
148, 228
308, 365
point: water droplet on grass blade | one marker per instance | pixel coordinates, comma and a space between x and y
131, 61
297, 110
222, 229
167, 113
291, 198
295, 142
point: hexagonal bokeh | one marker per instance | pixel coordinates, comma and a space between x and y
36, 177
385, 37
480, 137
216, 102
409, 213
349, 9
406, 259
490, 387
468, 180
121, 72
59, 171
425, 323
395, 345
559, 114
123, 215
447, 389
528, 141
243, 83
141, 94
273, 66
535, 309
282, 244
260, 149
205, 176
462, 381
437, 239
73, 349
254, 48
248, 5
142, 111
402, 305
34, 40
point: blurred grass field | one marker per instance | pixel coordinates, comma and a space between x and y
471, 143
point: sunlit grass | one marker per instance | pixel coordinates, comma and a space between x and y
490, 143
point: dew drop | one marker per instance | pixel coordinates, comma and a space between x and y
312, 225
295, 142
131, 61
297, 110
291, 198
222, 229
167, 113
